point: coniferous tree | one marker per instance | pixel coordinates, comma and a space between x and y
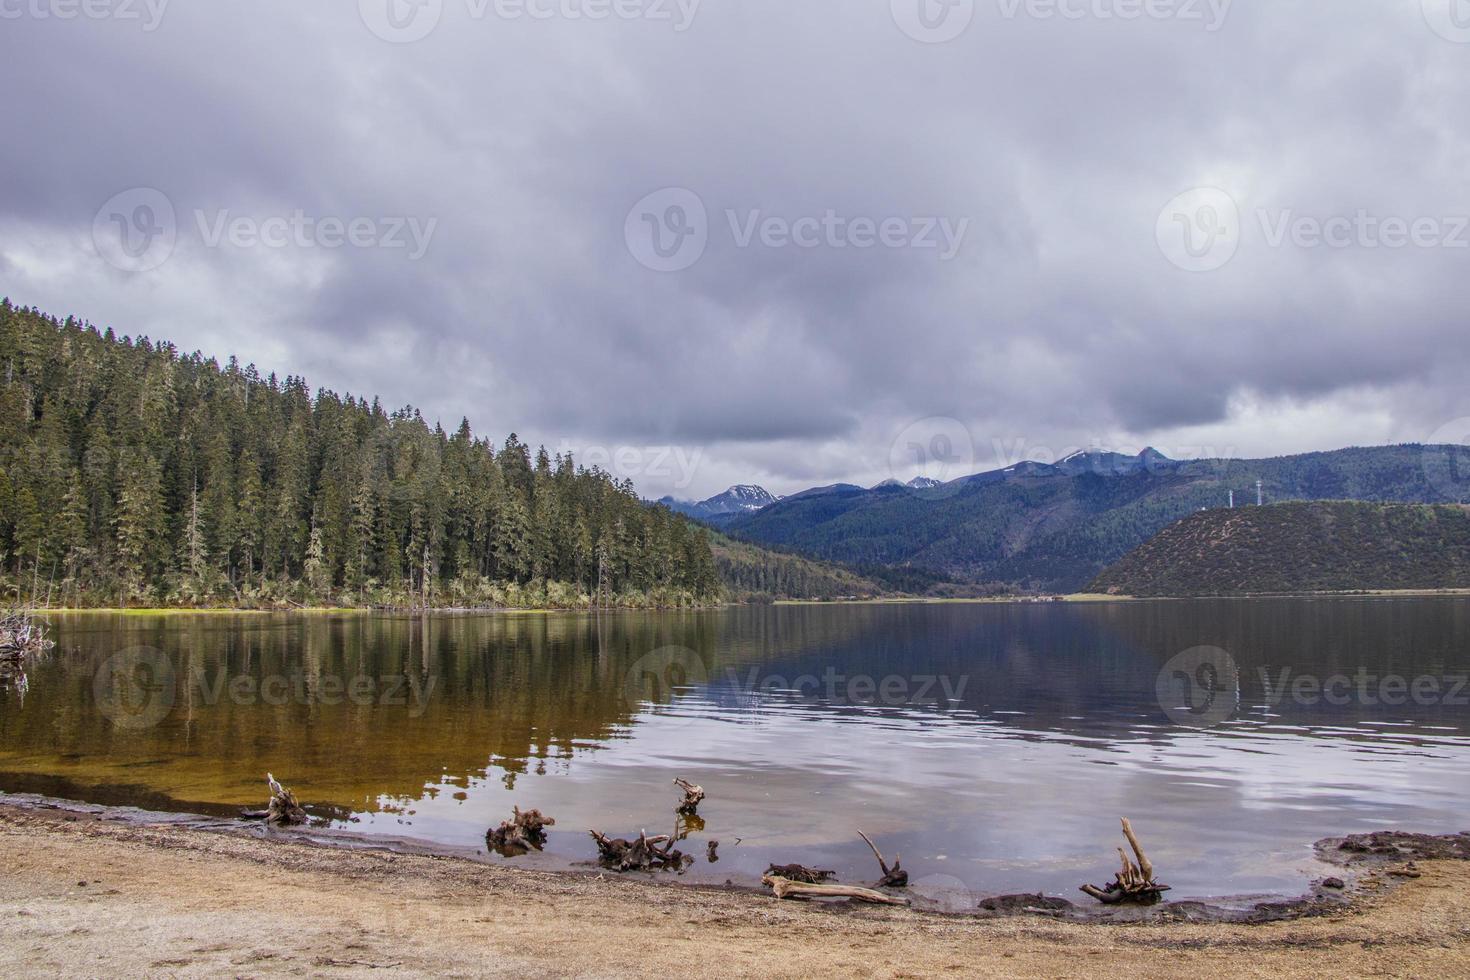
138, 474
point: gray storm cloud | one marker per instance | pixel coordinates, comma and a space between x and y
808, 323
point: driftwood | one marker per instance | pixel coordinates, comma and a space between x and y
1134, 883
283, 811
644, 854
692, 796
20, 634
801, 873
894, 877
786, 888
523, 832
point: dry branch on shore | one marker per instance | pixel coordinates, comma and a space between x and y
1135, 882
786, 888
523, 832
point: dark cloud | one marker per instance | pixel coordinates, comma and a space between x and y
1059, 322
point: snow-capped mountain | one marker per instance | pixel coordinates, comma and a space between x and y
736, 500
917, 483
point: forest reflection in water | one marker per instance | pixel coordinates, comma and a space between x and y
993, 745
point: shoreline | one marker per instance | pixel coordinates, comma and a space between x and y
1350, 867
85, 894
1059, 600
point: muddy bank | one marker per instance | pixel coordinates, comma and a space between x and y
85, 894
1321, 895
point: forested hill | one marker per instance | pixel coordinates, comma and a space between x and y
133, 474
1300, 547
1055, 527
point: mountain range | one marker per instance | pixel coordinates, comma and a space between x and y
722, 508
1054, 527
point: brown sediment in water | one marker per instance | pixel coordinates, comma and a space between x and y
84, 892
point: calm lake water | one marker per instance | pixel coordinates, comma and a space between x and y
993, 746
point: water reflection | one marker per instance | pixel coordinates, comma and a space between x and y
990, 744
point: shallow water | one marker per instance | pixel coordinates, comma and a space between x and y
993, 746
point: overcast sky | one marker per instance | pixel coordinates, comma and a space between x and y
793, 240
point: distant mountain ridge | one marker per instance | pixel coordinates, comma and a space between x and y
736, 500
1054, 527
1323, 546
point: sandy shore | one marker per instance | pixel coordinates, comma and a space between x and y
81, 895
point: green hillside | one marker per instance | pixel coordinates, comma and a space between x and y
1335, 546
133, 474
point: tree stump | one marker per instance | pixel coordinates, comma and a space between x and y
284, 810
522, 833
692, 796
1134, 883
643, 854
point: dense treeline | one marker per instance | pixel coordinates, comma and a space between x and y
130, 473
1336, 546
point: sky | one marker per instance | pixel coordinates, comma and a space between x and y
792, 244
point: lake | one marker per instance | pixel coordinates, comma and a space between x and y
994, 746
